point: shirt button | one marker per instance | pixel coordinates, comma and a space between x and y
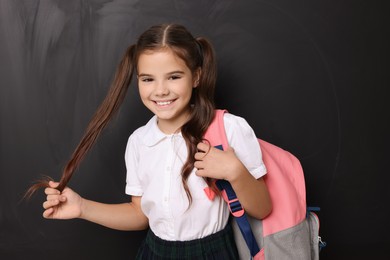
168, 168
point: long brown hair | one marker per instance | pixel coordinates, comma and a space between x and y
197, 53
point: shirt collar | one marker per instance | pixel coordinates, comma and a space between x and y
153, 135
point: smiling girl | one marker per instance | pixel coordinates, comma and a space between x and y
169, 164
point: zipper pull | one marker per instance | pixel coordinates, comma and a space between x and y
321, 243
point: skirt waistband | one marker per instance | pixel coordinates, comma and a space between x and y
220, 241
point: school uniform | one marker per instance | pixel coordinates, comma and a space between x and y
177, 230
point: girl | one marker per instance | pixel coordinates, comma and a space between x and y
168, 162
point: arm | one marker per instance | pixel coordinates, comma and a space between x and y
68, 205
253, 194
124, 216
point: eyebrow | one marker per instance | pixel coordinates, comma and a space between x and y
169, 73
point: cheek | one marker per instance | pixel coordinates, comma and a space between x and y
187, 89
143, 92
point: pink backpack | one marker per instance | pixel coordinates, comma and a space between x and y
291, 231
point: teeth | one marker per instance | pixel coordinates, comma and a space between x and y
163, 103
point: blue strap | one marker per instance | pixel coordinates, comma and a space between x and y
247, 233
242, 221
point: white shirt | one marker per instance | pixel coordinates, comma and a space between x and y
154, 161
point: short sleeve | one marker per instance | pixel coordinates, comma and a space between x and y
133, 184
243, 140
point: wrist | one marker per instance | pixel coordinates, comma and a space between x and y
83, 208
237, 170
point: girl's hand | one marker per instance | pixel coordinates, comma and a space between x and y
65, 205
214, 163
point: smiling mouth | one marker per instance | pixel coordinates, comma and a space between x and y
164, 103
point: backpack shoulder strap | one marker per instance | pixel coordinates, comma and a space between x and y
216, 136
215, 133
284, 179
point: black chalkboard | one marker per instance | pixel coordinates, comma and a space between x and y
309, 76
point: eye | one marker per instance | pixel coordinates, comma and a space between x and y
173, 77
146, 79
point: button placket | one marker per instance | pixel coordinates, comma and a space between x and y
167, 181
167, 189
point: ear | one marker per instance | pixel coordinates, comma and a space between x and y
197, 75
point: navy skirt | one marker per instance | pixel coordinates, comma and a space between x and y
220, 245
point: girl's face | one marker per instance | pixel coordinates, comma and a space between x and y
165, 85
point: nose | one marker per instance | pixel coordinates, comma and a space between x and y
161, 89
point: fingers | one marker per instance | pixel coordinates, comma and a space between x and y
198, 165
51, 189
56, 197
53, 201
50, 203
203, 147
203, 150
53, 184
47, 213
201, 173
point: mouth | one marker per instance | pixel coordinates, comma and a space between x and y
164, 102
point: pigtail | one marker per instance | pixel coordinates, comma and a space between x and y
209, 71
102, 116
209, 78
203, 109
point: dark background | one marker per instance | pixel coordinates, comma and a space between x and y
309, 76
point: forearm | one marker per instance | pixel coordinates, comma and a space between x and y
125, 216
252, 194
